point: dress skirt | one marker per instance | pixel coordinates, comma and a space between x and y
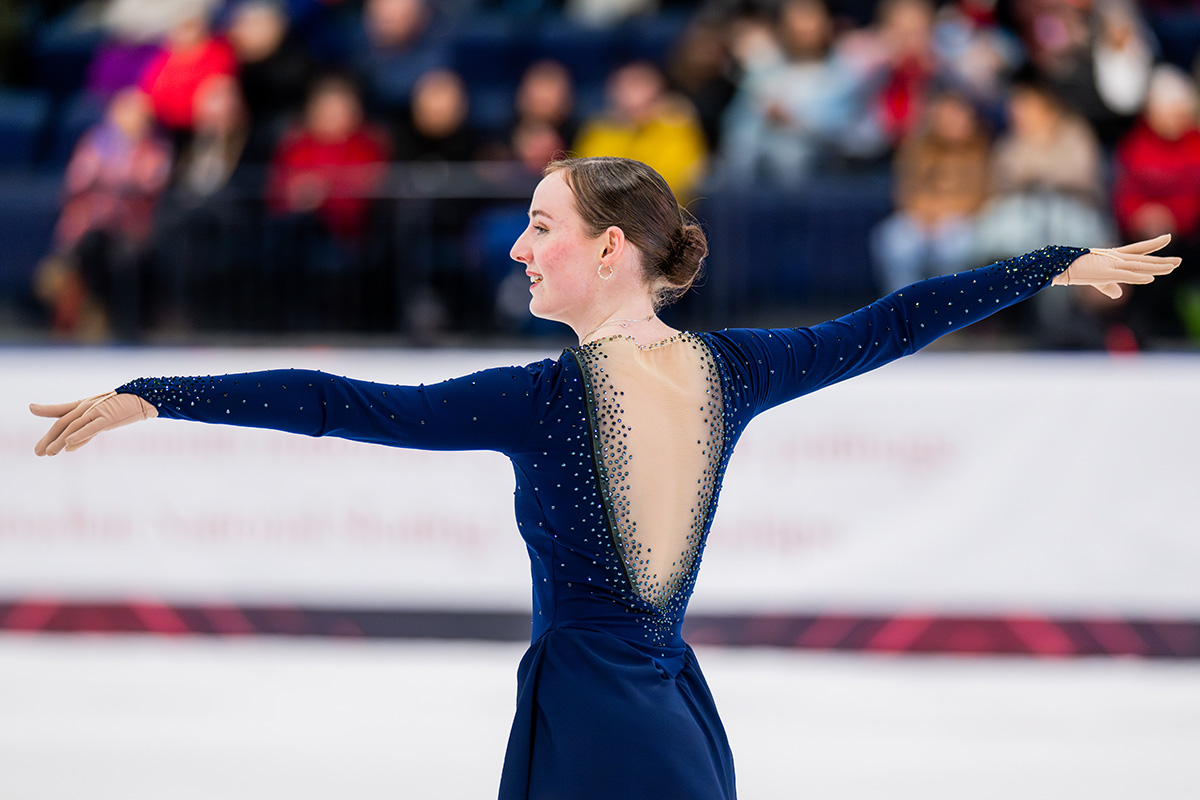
599, 718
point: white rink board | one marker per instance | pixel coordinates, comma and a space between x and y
949, 483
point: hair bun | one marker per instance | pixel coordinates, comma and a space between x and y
685, 258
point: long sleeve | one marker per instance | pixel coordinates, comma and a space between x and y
490, 410
773, 366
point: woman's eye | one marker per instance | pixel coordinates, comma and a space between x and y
539, 228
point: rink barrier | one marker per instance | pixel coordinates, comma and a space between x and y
899, 633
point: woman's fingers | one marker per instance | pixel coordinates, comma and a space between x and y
1139, 258
1130, 276
92, 416
1161, 263
43, 447
1146, 245
55, 410
1160, 267
78, 424
1107, 268
75, 439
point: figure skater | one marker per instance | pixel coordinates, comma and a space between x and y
619, 448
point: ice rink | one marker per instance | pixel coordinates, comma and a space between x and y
151, 718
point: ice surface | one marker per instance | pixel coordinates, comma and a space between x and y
140, 718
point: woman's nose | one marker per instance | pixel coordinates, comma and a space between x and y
520, 251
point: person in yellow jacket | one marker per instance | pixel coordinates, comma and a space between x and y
646, 123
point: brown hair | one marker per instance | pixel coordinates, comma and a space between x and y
627, 194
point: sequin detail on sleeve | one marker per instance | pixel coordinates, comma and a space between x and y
1039, 266
164, 392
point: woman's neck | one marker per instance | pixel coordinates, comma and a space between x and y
638, 323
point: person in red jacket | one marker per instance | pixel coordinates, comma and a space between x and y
331, 163
172, 79
1157, 186
324, 176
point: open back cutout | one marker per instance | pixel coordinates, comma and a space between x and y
658, 430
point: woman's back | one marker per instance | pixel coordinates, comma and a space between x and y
656, 432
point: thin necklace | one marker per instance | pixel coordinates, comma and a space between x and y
624, 323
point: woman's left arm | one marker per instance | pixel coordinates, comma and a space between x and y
778, 365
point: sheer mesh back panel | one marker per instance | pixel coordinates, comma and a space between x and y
658, 432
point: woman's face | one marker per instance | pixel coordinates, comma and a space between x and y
560, 258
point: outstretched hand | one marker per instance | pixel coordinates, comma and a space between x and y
78, 422
1108, 268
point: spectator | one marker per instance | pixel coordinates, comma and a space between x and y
701, 68
396, 43
439, 291
1055, 34
544, 102
1048, 188
1157, 187
325, 174
977, 54
218, 147
535, 144
796, 101
607, 13
133, 30
112, 185
644, 122
205, 230
1096, 56
273, 70
192, 55
940, 185
1123, 57
434, 128
331, 164
904, 33
1047, 178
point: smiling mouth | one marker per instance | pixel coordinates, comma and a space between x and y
534, 280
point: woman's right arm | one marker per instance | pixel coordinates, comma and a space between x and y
489, 410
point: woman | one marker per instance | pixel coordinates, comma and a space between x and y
619, 448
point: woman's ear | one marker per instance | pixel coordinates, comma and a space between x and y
614, 243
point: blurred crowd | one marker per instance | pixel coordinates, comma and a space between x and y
359, 165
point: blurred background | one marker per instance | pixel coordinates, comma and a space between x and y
969, 575
195, 170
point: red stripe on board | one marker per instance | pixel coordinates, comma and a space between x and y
900, 633
1042, 636
30, 615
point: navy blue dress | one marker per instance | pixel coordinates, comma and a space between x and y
611, 702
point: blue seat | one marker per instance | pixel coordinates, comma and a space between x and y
61, 56
772, 248
28, 212
75, 116
589, 54
1178, 32
589, 99
490, 52
491, 109
652, 38
490, 238
23, 117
